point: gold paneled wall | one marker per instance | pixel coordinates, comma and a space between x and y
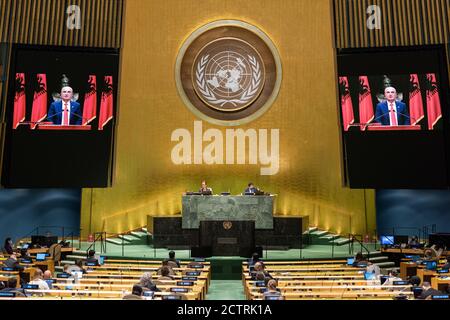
309, 181
403, 23
45, 22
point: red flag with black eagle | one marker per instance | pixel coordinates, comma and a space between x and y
90, 101
106, 104
19, 100
415, 100
433, 102
39, 109
365, 102
346, 103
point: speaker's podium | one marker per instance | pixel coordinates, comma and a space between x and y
375, 126
226, 238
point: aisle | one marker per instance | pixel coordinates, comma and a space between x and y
226, 290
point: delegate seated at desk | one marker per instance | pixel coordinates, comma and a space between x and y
251, 188
205, 189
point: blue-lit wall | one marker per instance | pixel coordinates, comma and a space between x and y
412, 208
21, 210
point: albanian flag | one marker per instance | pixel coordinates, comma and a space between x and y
106, 104
346, 103
90, 101
433, 101
415, 100
39, 110
365, 101
19, 100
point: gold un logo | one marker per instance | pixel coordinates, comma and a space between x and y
228, 72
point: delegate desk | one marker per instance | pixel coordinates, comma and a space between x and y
196, 208
45, 250
407, 269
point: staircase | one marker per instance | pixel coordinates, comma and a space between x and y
322, 237
137, 237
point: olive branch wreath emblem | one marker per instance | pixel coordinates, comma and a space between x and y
209, 95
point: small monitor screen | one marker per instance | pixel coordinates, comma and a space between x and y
185, 283
26, 261
63, 275
260, 284
383, 279
350, 261
101, 260
7, 294
440, 297
189, 278
442, 271
193, 273
431, 265
25, 246
172, 297
386, 240
400, 283
91, 264
149, 293
417, 291
7, 269
369, 276
40, 257
179, 289
30, 286
273, 297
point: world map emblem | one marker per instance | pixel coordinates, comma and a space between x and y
228, 72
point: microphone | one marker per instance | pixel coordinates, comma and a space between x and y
53, 115
70, 113
405, 115
370, 122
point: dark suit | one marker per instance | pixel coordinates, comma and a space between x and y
250, 190
11, 263
382, 114
55, 113
429, 292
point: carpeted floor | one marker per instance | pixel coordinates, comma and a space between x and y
311, 252
226, 290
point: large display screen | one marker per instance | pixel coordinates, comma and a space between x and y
60, 117
394, 117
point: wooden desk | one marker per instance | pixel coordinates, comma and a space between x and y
408, 251
407, 269
45, 250
425, 275
440, 283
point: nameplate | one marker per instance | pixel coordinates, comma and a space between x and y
227, 240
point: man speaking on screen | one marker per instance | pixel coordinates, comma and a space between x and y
392, 112
65, 112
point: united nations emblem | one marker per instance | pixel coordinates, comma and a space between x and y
228, 72
227, 225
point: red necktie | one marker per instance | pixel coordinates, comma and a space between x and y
393, 115
65, 115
